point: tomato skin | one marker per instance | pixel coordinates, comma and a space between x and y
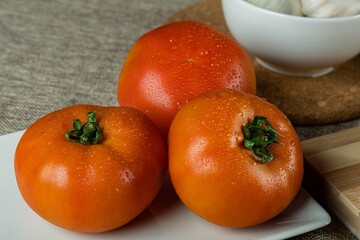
212, 172
91, 188
171, 64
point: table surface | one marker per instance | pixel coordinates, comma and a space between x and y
58, 53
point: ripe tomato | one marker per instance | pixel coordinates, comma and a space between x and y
96, 186
176, 62
216, 176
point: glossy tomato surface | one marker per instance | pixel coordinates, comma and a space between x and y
219, 179
91, 188
176, 62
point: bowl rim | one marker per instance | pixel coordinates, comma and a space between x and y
295, 17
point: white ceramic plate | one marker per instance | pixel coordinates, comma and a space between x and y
167, 218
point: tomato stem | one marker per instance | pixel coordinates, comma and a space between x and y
259, 134
89, 133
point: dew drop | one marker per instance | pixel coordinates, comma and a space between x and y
203, 53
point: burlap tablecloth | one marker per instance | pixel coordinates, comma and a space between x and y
62, 52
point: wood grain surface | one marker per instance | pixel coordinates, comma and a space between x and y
332, 173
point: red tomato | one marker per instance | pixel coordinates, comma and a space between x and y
96, 186
174, 63
224, 160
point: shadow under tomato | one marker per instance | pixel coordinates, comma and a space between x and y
166, 200
164, 203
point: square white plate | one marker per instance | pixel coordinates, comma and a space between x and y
167, 218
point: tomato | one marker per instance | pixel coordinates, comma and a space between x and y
96, 186
171, 64
234, 159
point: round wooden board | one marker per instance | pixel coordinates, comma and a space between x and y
306, 101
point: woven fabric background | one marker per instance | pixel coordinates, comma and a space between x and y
61, 52
57, 53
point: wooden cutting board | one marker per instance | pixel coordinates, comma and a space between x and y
332, 174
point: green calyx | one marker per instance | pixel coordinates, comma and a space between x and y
258, 135
89, 133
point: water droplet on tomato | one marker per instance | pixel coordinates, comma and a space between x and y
204, 52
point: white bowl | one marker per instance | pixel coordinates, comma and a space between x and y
293, 45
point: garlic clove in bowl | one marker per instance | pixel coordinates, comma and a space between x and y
292, 7
330, 8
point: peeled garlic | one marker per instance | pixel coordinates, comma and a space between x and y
292, 7
330, 8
